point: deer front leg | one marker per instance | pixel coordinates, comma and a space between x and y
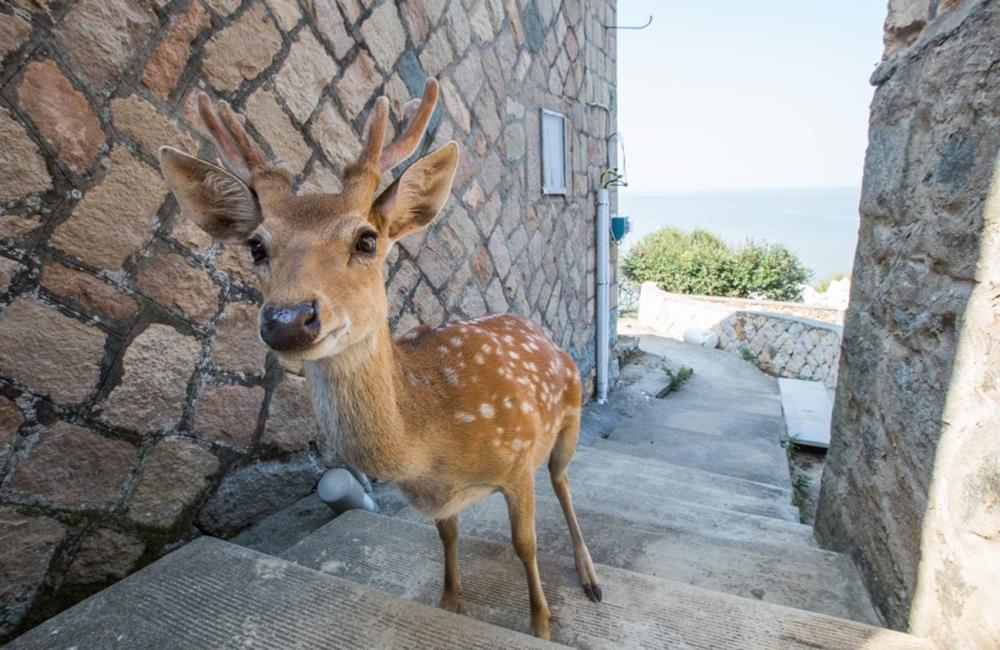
521, 508
452, 592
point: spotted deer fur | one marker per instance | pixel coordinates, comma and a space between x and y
452, 413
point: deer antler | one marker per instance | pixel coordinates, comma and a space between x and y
241, 154
418, 114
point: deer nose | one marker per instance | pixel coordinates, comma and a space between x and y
289, 327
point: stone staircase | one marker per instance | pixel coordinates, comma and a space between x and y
685, 503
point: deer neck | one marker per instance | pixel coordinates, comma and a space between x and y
357, 395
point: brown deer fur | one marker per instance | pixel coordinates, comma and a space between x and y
451, 414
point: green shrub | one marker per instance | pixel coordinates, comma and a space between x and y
701, 263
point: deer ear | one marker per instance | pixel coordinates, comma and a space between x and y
417, 196
221, 204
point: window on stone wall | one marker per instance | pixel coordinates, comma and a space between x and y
553, 152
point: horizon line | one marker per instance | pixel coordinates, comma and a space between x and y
735, 190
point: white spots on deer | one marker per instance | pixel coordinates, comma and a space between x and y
450, 376
443, 350
508, 402
500, 430
508, 339
456, 341
479, 358
496, 442
486, 410
513, 355
520, 444
526, 407
486, 348
411, 335
464, 417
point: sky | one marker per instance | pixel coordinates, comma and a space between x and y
746, 94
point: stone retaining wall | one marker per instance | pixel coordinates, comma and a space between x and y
783, 346
795, 309
780, 345
136, 407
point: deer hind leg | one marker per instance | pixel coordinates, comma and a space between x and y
521, 508
451, 594
559, 459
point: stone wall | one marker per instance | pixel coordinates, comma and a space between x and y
912, 481
136, 407
778, 342
691, 303
783, 346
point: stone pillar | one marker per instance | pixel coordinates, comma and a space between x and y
912, 483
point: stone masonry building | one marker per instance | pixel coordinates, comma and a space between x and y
137, 409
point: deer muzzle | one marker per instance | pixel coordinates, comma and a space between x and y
290, 327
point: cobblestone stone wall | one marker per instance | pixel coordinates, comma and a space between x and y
136, 407
783, 346
912, 482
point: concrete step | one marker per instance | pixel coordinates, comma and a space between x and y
635, 506
286, 527
697, 394
714, 370
794, 575
404, 559
752, 459
619, 455
642, 506
751, 403
600, 467
719, 420
212, 594
807, 410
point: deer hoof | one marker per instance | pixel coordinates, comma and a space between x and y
593, 592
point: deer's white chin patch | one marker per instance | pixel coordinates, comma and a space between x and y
330, 344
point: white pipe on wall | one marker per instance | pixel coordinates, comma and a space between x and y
342, 492
603, 283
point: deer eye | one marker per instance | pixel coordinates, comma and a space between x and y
366, 242
257, 250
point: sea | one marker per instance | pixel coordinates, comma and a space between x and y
819, 224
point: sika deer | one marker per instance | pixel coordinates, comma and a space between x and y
451, 414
